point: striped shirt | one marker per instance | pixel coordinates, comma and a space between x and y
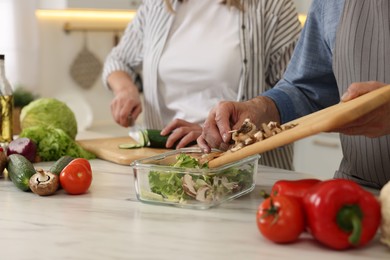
362, 53
269, 30
343, 41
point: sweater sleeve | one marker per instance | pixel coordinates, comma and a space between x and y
127, 56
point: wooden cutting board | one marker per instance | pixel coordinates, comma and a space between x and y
325, 120
108, 149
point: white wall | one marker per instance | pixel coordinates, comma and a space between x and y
46, 61
58, 50
19, 41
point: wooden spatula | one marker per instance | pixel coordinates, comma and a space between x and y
325, 120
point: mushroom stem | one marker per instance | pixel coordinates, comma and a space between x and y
44, 183
42, 177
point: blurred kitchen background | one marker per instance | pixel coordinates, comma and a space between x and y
56, 48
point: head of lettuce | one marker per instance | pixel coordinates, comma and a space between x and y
52, 125
49, 112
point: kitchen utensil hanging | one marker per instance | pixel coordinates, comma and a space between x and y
86, 68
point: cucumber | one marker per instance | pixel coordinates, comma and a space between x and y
146, 138
138, 136
154, 139
130, 146
60, 164
20, 170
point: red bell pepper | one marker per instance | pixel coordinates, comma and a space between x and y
293, 188
341, 214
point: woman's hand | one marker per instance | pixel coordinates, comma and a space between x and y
126, 105
228, 115
373, 124
181, 130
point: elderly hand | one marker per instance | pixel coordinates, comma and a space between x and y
181, 130
229, 115
375, 123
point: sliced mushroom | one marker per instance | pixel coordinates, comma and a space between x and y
249, 140
44, 183
189, 185
267, 130
237, 147
249, 134
228, 185
259, 136
288, 126
203, 194
247, 130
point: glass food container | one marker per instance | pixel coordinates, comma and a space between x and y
159, 181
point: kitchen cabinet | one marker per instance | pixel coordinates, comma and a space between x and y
319, 155
89, 4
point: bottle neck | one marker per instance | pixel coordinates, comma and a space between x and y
5, 87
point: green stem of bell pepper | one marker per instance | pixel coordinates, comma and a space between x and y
349, 218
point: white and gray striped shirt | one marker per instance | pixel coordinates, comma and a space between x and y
362, 54
269, 30
343, 41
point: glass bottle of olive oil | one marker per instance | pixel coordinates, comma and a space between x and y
7, 104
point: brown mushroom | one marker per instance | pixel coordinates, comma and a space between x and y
44, 183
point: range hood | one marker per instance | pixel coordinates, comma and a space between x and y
89, 4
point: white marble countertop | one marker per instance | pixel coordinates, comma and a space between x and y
109, 223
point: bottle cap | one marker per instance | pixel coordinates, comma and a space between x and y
1, 56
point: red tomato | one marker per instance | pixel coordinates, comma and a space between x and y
76, 178
82, 161
280, 219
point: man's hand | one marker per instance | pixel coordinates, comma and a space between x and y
229, 115
373, 124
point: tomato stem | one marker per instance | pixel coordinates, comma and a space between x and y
264, 194
272, 211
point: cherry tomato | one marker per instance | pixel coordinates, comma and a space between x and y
76, 178
280, 219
